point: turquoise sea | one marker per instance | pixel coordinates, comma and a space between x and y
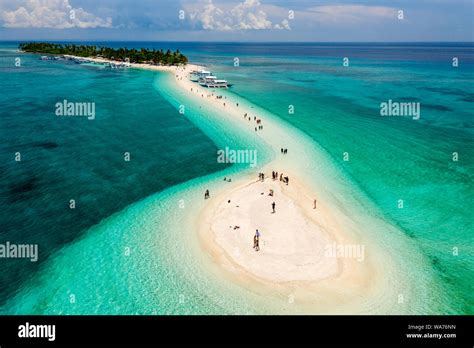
81, 250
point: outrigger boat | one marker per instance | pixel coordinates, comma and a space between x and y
206, 79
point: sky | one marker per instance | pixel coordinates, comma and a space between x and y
238, 20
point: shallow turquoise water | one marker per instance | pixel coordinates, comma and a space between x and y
390, 159
76, 158
132, 263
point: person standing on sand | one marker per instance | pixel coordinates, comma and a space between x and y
255, 243
256, 239
273, 207
206, 194
314, 207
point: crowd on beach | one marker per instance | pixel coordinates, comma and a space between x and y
257, 121
258, 126
261, 178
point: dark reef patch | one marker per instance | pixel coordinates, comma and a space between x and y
46, 145
436, 107
21, 189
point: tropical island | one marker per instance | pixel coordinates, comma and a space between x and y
133, 55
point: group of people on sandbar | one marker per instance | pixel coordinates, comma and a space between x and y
258, 121
284, 151
284, 179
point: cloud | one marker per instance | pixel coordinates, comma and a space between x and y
349, 14
284, 25
247, 15
57, 14
211, 17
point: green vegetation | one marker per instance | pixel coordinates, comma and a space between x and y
135, 56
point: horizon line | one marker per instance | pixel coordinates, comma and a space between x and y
246, 42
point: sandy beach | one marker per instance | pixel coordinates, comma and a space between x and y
324, 259
300, 259
297, 260
243, 159
338, 257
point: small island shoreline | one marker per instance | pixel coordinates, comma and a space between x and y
292, 266
119, 55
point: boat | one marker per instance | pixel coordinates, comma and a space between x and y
218, 84
118, 65
204, 73
206, 79
213, 82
